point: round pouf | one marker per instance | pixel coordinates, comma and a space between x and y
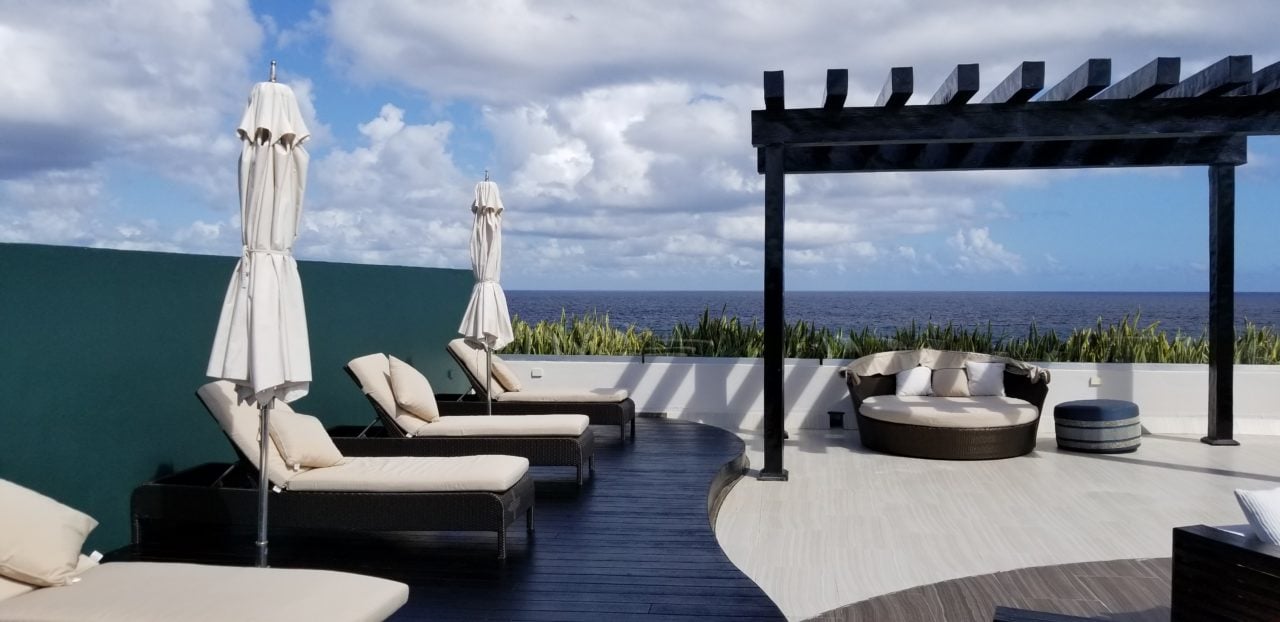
1098, 426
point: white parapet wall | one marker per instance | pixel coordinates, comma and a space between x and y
727, 393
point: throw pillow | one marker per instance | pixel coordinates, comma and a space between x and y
412, 391
302, 441
504, 375
950, 383
914, 381
1262, 510
985, 378
40, 539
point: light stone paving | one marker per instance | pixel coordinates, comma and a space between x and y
852, 524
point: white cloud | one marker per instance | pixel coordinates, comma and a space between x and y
976, 251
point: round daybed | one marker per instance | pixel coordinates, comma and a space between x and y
982, 427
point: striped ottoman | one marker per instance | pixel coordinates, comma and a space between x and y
1098, 426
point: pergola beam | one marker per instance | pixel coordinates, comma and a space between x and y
837, 89
958, 88
1024, 82
1217, 79
1086, 81
1085, 120
1151, 80
897, 89
1036, 155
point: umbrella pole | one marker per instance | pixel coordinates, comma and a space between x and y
264, 412
488, 381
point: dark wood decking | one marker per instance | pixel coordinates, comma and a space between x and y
634, 542
1132, 590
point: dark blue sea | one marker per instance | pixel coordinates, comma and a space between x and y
1009, 313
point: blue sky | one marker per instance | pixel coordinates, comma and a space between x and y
619, 133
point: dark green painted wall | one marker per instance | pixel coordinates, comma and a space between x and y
103, 350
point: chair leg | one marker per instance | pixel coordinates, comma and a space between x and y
528, 520
633, 429
591, 464
502, 542
579, 473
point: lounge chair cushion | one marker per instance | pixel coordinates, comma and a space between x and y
566, 395
156, 592
415, 474
914, 381
40, 539
302, 440
240, 422
1262, 510
985, 378
505, 376
950, 383
985, 411
10, 588
498, 425
473, 359
412, 390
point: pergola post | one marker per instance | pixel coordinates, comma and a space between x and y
1222, 338
774, 313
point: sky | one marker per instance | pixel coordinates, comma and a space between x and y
619, 133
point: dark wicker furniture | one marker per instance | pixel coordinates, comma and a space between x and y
390, 440
921, 441
600, 413
225, 496
1224, 576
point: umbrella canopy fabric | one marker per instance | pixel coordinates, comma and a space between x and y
261, 343
487, 321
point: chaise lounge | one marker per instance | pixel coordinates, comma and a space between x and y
611, 406
359, 493
544, 440
986, 407
44, 578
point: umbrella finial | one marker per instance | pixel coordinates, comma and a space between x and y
486, 174
273, 71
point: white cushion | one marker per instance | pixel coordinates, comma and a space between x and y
566, 395
914, 381
240, 421
985, 378
473, 359
373, 372
416, 474
502, 425
504, 375
302, 440
987, 411
1262, 510
950, 383
10, 588
161, 592
412, 390
40, 539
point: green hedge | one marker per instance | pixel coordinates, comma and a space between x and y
1127, 341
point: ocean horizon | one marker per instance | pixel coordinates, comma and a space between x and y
1007, 313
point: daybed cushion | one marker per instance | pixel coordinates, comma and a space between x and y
498, 425
159, 592
914, 381
987, 411
553, 395
412, 390
40, 539
985, 378
950, 383
240, 422
415, 474
1262, 510
302, 441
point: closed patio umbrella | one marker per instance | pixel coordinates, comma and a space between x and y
261, 342
487, 321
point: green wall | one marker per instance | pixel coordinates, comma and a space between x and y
103, 350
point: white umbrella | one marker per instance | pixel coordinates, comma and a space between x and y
487, 321
261, 343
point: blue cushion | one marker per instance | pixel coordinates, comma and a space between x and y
1096, 410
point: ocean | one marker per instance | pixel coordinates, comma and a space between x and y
1009, 313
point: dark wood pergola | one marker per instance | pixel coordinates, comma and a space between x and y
1149, 118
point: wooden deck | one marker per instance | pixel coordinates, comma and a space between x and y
633, 543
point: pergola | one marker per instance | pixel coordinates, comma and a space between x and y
1149, 118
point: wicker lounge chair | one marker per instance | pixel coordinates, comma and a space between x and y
603, 406
1223, 573
363, 493
47, 579
946, 437
545, 440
